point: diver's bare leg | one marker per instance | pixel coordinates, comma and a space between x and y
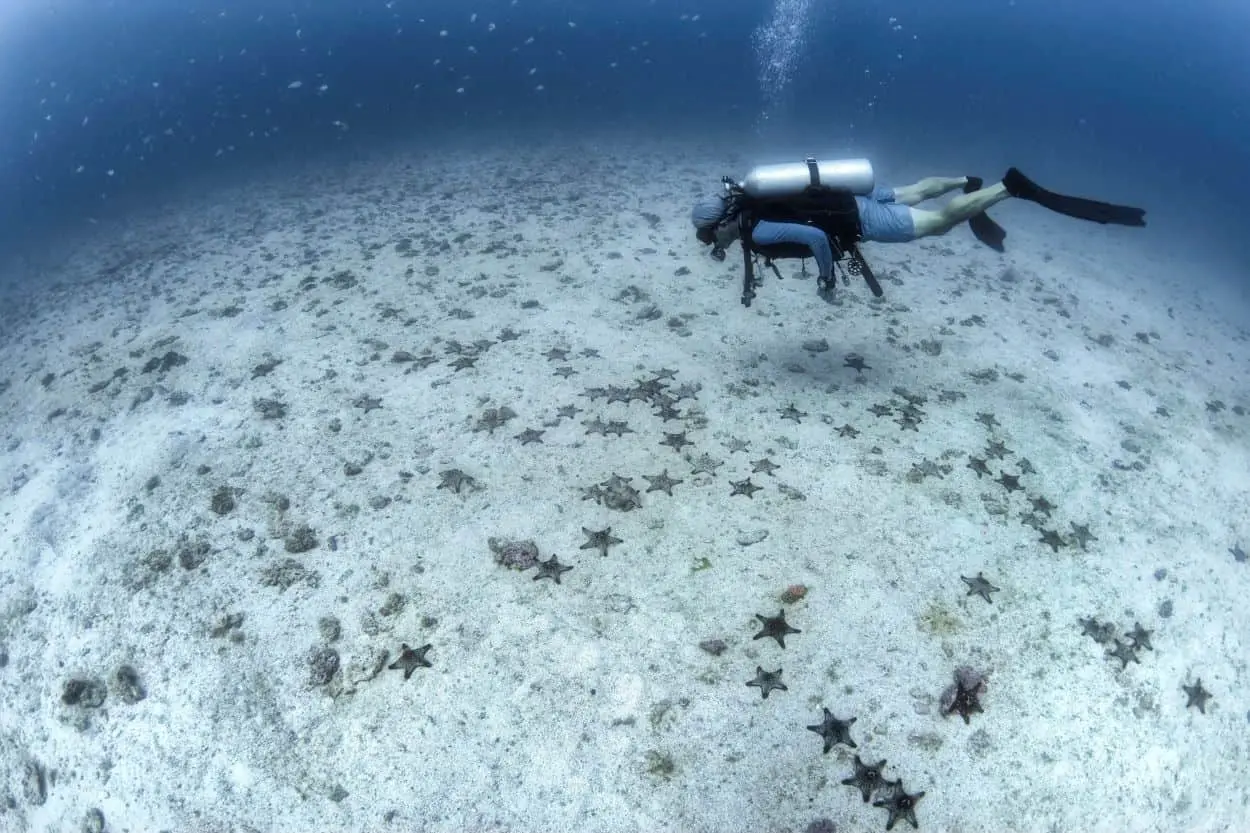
958, 210
928, 188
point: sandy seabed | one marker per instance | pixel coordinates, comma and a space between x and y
255, 447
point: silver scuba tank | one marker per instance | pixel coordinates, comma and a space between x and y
787, 178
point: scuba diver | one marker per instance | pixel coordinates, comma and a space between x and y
823, 209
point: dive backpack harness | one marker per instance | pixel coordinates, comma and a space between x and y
830, 208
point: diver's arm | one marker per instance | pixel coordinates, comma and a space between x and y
768, 233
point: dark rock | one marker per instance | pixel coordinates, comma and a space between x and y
129, 686
330, 628
323, 664
302, 539
223, 500
34, 783
89, 693
715, 647
515, 555
93, 822
226, 624
192, 554
165, 363
287, 573
270, 408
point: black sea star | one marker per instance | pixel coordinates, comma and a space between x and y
661, 482
997, 450
1238, 554
907, 422
616, 393
665, 411
1081, 534
743, 487
848, 430
867, 778
530, 435
980, 587
600, 540
1198, 696
1125, 653
766, 681
857, 363
551, 568
676, 441
1140, 637
776, 627
1033, 519
1101, 632
1011, 482
686, 391
1041, 504
705, 464
923, 469
410, 660
1050, 538
764, 465
966, 697
834, 730
792, 413
618, 427
899, 804
977, 464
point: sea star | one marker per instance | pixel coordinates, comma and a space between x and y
899, 804
867, 778
766, 681
410, 660
600, 540
980, 587
776, 627
834, 731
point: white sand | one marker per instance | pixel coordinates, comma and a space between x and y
590, 705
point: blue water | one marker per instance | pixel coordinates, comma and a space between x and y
106, 104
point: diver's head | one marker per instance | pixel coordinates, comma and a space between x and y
712, 223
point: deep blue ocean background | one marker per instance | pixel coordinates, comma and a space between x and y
108, 105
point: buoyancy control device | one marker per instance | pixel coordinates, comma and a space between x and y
819, 193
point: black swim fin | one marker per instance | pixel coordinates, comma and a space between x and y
1019, 185
983, 228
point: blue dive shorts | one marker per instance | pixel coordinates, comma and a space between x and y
883, 220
